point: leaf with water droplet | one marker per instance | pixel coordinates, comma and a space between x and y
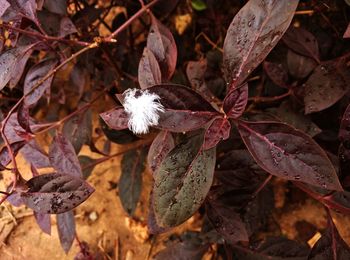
253, 33
286, 152
182, 182
55, 193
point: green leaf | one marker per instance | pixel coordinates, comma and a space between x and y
183, 181
198, 5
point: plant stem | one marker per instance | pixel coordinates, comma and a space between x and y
129, 21
270, 99
44, 37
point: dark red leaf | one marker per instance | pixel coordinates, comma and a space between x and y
33, 77
301, 41
195, 72
63, 157
66, 27
35, 155
161, 42
55, 193
153, 227
116, 118
66, 229
23, 117
179, 97
20, 8
20, 65
277, 73
218, 130
149, 72
5, 157
347, 32
182, 182
78, 129
227, 222
300, 66
3, 7
344, 130
87, 165
44, 222
56, 6
160, 147
184, 120
14, 132
330, 245
288, 153
253, 33
327, 84
130, 183
236, 101
80, 79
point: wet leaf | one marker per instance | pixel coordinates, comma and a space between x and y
160, 147
63, 157
33, 77
227, 222
43, 221
55, 193
300, 66
78, 129
23, 117
253, 33
161, 43
116, 118
330, 245
8, 62
5, 157
124, 136
236, 101
288, 153
182, 182
301, 41
34, 155
66, 229
149, 72
14, 132
3, 6
130, 183
327, 84
344, 130
277, 73
218, 130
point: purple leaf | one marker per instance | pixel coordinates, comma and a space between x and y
14, 132
55, 193
33, 77
130, 183
149, 72
330, 245
23, 117
66, 229
182, 182
161, 43
63, 157
179, 97
5, 157
277, 73
3, 6
300, 66
20, 8
218, 130
301, 41
8, 63
195, 72
19, 68
116, 118
184, 120
66, 27
227, 222
152, 224
236, 101
78, 129
44, 222
327, 84
288, 153
56, 6
160, 147
344, 130
253, 33
80, 79
347, 32
34, 155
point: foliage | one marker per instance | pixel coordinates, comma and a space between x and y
218, 124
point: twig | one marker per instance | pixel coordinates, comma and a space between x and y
270, 99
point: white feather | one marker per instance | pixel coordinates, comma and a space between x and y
143, 108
